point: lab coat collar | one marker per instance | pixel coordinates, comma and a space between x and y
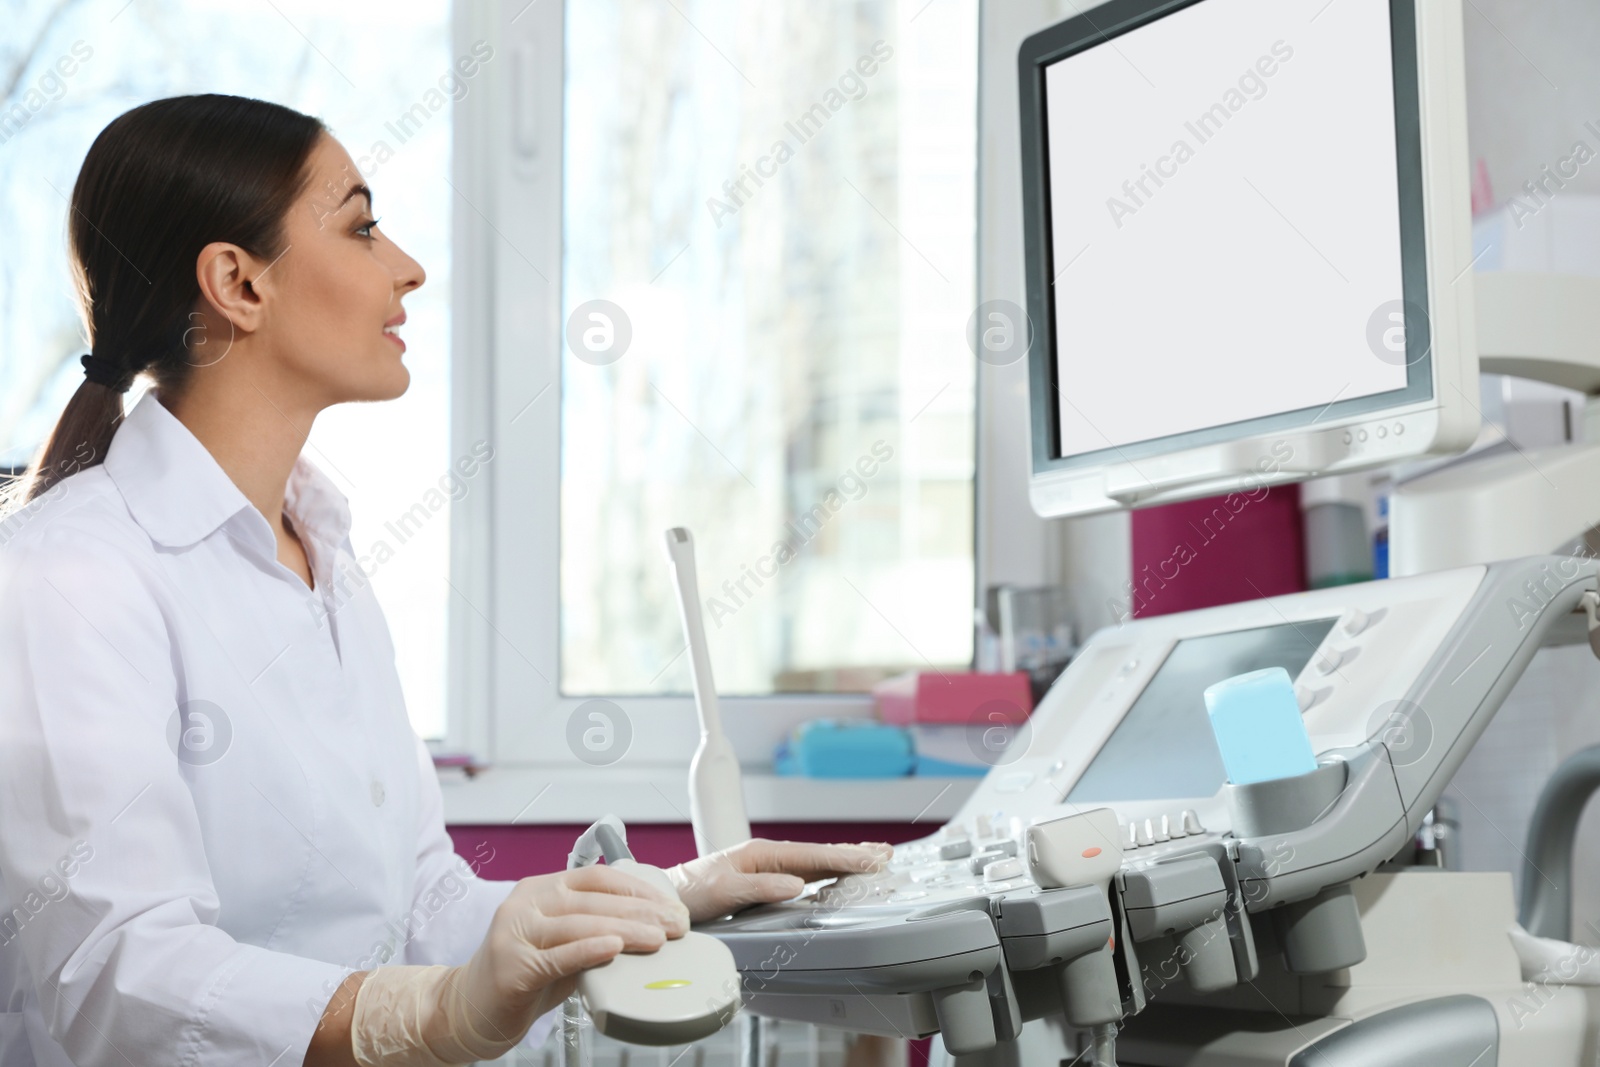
179, 494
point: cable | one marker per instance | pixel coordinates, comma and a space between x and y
613, 840
1105, 1045
607, 838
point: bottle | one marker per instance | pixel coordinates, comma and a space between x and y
1337, 549
1380, 539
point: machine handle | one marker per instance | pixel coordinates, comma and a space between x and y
1546, 909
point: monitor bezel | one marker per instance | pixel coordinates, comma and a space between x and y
1105, 23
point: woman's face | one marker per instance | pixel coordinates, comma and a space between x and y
334, 326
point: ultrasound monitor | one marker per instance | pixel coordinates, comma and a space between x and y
1247, 246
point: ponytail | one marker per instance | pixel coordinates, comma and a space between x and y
80, 439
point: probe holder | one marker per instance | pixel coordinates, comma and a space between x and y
1322, 933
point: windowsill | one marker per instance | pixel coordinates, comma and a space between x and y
533, 795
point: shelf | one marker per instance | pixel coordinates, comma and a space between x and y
542, 795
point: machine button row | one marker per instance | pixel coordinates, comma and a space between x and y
1002, 870
992, 851
1382, 431
956, 850
1330, 660
1327, 661
1309, 698
1156, 832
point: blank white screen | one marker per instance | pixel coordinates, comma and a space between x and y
1242, 284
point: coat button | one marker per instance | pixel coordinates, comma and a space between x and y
377, 794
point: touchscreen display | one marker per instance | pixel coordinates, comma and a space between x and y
1163, 748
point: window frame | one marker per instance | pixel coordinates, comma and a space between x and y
503, 685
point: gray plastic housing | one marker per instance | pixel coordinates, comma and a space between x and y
1296, 843
1386, 794
950, 953
1459, 1031
1181, 905
1053, 927
1546, 909
1321, 934
1173, 896
791, 948
1284, 805
1069, 932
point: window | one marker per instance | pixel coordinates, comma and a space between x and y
386, 88
769, 245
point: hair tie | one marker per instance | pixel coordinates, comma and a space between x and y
102, 372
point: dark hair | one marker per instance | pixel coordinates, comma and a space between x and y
160, 183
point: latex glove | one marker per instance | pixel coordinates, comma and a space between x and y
543, 934
766, 872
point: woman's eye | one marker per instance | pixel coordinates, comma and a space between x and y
368, 227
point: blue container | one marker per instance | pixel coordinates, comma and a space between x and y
1257, 723
846, 748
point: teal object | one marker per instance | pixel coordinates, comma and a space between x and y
928, 767
846, 748
1257, 723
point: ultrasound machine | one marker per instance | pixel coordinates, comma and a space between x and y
1248, 263
1111, 878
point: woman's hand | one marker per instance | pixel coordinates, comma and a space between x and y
766, 872
548, 930
553, 926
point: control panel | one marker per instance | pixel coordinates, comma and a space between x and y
1112, 847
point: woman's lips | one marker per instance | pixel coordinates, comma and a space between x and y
395, 324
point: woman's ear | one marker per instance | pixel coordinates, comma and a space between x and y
229, 280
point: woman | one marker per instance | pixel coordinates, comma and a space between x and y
215, 820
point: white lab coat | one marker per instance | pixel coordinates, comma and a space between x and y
198, 900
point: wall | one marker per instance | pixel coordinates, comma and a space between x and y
1532, 84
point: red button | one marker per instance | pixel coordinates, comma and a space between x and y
1090, 853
